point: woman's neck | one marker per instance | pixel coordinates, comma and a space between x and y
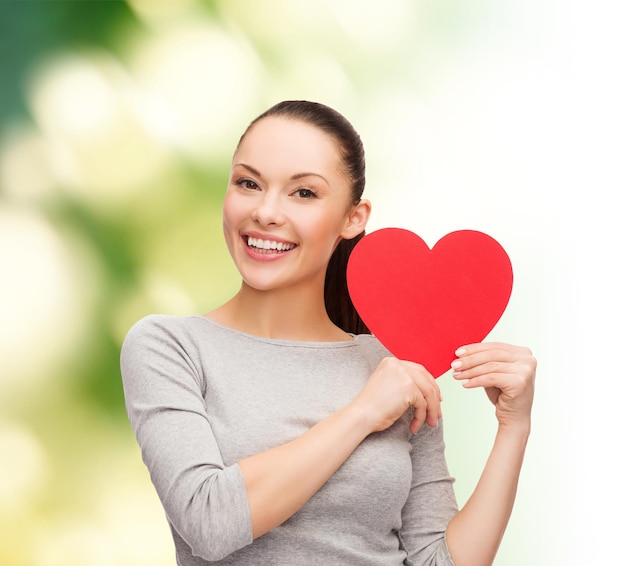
281, 314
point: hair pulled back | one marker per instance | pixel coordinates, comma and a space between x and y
336, 298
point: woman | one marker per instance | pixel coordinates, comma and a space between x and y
276, 429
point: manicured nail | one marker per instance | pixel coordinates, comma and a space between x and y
460, 351
456, 364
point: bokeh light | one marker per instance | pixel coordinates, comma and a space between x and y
44, 301
88, 108
195, 71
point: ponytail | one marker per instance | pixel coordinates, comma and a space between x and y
336, 297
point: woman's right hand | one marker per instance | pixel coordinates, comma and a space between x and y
394, 387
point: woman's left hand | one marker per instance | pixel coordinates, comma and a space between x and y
506, 372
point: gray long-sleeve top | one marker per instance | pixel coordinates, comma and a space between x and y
200, 397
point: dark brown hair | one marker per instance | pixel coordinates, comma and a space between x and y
336, 298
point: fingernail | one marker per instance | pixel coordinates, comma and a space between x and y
460, 351
456, 364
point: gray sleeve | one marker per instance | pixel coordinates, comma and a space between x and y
204, 500
431, 503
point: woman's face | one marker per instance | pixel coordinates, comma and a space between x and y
287, 204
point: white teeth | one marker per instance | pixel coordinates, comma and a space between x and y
269, 244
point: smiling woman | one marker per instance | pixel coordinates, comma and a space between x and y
276, 429
288, 193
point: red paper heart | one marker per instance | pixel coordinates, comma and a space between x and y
423, 304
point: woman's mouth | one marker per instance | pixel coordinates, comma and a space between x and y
268, 246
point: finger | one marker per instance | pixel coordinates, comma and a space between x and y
488, 368
433, 408
487, 381
496, 361
493, 358
511, 378
508, 350
430, 417
415, 426
419, 415
483, 346
429, 393
432, 398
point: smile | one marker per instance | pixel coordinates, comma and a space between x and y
268, 246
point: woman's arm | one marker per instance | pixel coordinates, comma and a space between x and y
217, 508
281, 480
507, 373
204, 499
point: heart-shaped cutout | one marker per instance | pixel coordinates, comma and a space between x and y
423, 303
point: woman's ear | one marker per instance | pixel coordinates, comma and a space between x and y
357, 219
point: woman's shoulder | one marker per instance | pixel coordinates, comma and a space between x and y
162, 339
152, 324
372, 346
162, 329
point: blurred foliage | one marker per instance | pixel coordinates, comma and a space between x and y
30, 30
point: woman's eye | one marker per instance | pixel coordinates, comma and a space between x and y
247, 184
305, 193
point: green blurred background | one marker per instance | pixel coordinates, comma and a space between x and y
117, 123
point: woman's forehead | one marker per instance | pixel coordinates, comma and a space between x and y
287, 126
289, 140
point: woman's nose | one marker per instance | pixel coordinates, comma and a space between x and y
269, 210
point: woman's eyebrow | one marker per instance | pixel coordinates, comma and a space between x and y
249, 168
307, 174
293, 177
